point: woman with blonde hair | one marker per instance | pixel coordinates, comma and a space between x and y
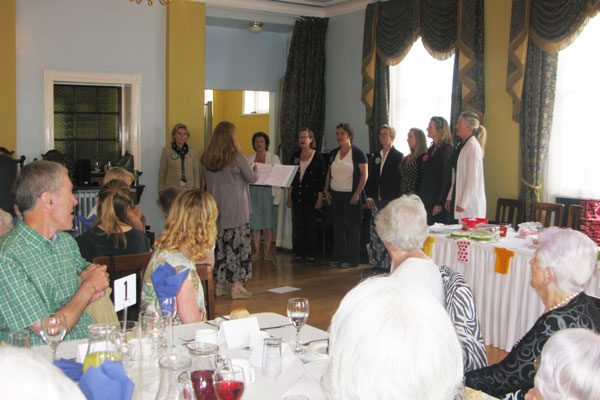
188, 239
436, 171
179, 162
411, 164
227, 175
112, 235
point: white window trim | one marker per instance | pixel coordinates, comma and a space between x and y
131, 97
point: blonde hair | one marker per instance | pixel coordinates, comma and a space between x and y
479, 130
112, 210
222, 148
191, 225
118, 173
421, 146
389, 128
442, 125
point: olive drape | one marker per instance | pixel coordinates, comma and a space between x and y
445, 26
303, 95
539, 29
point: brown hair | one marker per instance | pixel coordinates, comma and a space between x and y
389, 128
112, 208
445, 134
191, 225
118, 173
421, 146
311, 135
222, 148
348, 128
166, 197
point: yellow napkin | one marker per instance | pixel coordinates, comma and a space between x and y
503, 257
428, 244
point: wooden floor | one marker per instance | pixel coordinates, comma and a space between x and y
324, 286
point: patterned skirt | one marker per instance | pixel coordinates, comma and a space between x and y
232, 255
378, 254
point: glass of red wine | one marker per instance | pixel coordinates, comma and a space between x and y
229, 382
202, 381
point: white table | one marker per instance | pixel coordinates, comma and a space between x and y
507, 305
262, 389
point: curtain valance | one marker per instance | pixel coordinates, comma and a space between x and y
551, 24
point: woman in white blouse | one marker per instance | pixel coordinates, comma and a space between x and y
469, 185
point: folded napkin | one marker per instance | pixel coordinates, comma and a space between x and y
71, 368
167, 282
503, 257
106, 382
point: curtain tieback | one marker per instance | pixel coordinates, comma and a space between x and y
536, 188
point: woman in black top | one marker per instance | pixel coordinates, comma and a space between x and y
306, 196
436, 171
111, 234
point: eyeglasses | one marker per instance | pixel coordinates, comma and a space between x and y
303, 137
385, 134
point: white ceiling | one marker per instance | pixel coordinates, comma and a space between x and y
292, 8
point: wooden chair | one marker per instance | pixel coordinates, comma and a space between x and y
574, 214
544, 212
120, 266
510, 211
205, 272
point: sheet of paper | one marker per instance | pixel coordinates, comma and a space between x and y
124, 290
283, 289
275, 175
262, 173
236, 331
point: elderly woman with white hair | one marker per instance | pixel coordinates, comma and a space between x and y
402, 227
563, 263
391, 341
569, 367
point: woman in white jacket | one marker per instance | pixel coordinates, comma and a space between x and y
469, 183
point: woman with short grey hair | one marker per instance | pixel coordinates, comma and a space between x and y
569, 367
391, 341
402, 226
563, 263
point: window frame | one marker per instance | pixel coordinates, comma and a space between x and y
255, 94
131, 101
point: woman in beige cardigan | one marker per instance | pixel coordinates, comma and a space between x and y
179, 163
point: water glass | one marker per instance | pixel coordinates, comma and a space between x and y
19, 339
271, 365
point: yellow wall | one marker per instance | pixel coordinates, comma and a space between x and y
227, 106
8, 76
502, 149
186, 21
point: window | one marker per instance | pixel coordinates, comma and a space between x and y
130, 87
208, 95
573, 161
256, 102
87, 123
420, 88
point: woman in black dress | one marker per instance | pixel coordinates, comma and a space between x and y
411, 164
436, 171
306, 196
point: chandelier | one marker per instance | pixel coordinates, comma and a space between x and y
151, 2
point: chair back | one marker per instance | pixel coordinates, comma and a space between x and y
574, 215
205, 273
10, 169
549, 214
461, 309
120, 266
510, 211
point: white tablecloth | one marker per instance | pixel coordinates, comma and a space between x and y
507, 305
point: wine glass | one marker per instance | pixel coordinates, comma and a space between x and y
229, 382
19, 339
297, 311
54, 328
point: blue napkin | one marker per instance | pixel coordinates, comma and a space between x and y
166, 282
106, 382
71, 368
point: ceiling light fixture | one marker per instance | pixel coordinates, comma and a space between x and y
151, 2
255, 26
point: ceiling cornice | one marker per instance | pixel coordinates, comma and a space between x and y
291, 7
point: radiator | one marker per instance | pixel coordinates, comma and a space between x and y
86, 198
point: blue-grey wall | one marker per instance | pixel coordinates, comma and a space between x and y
108, 36
343, 79
238, 59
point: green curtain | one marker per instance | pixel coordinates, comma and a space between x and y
445, 26
303, 94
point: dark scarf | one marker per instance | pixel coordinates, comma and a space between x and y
181, 152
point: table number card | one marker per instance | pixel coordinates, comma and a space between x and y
236, 331
125, 292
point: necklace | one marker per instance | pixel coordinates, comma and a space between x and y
565, 301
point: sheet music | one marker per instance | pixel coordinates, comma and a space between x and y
277, 175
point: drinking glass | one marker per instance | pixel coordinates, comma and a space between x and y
271, 365
229, 382
19, 339
297, 311
54, 328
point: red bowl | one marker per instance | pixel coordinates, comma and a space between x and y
471, 223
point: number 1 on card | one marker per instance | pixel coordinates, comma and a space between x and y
125, 293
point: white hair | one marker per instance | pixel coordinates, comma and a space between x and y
6, 222
27, 374
403, 223
390, 341
572, 256
570, 366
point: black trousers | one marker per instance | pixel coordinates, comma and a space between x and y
304, 232
346, 228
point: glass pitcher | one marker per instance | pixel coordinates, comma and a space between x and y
174, 378
204, 358
101, 345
